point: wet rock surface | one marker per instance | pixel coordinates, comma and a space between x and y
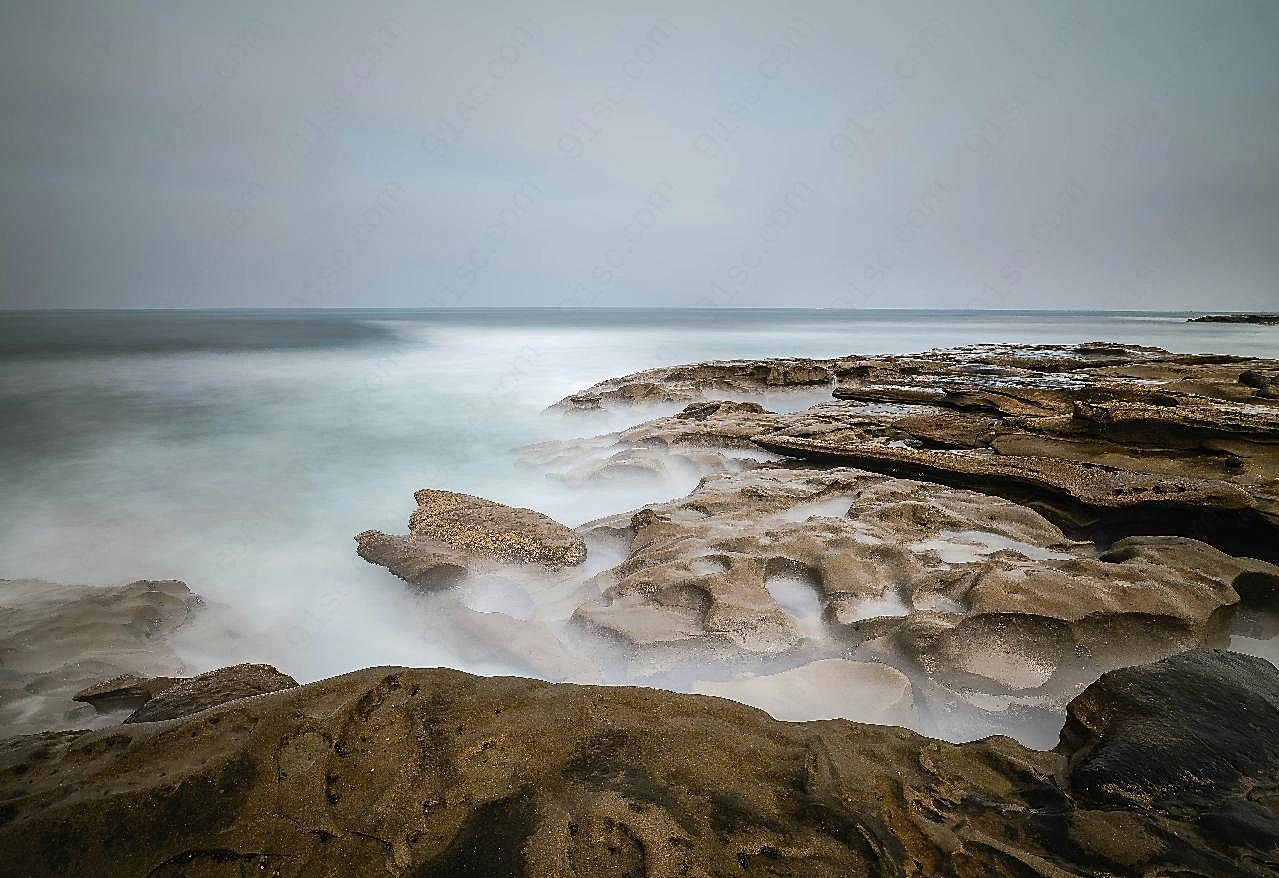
393, 771
1195, 733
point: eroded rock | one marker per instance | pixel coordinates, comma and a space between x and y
451, 533
997, 616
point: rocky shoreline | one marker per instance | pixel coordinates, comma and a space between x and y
989, 539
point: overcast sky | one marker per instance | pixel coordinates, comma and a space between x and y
984, 154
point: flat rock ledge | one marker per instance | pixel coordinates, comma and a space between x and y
450, 533
202, 691
1163, 769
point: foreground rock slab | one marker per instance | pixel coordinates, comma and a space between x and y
450, 533
393, 771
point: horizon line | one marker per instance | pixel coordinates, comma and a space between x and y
463, 308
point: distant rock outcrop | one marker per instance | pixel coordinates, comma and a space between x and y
1260, 319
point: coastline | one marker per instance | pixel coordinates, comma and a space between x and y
962, 541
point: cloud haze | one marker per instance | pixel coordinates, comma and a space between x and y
985, 154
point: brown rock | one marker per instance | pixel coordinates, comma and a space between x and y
477, 526
209, 689
435, 772
418, 560
452, 533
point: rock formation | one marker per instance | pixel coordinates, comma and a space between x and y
714, 436
206, 690
996, 616
1161, 770
697, 380
1259, 319
1001, 523
124, 692
450, 533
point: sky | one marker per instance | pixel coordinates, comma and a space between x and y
1082, 155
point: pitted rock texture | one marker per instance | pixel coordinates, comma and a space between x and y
206, 690
449, 533
992, 612
56, 640
402, 772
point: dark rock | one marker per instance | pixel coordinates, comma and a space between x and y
1256, 319
1189, 735
207, 690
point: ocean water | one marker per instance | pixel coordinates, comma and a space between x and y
240, 451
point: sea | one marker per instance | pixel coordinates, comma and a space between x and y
240, 451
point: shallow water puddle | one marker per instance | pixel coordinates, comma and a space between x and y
890, 604
796, 596
833, 507
968, 546
492, 594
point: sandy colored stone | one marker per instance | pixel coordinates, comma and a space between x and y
451, 534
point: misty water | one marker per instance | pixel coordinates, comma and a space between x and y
241, 451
